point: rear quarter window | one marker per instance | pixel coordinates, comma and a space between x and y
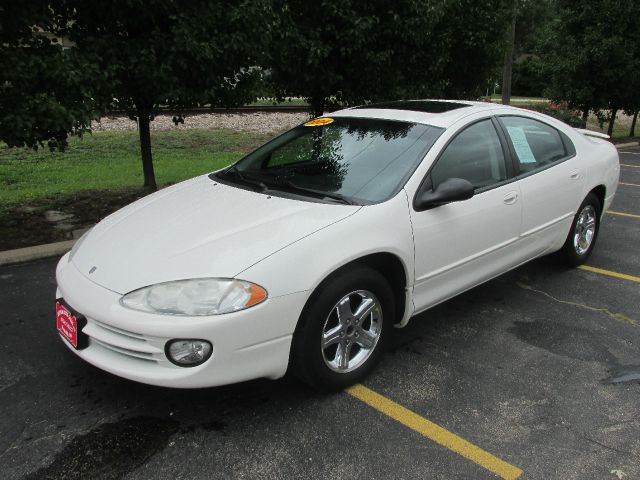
535, 144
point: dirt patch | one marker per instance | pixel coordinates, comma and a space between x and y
59, 218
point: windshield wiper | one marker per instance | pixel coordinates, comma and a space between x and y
250, 181
289, 185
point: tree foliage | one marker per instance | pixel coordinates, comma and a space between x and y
44, 95
473, 36
531, 18
163, 53
346, 52
591, 54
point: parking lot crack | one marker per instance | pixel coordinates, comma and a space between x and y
620, 317
595, 442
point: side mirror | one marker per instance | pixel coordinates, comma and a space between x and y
451, 190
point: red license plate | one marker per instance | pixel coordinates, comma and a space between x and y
67, 324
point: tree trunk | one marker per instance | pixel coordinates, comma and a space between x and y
632, 132
145, 149
585, 116
508, 61
614, 112
317, 106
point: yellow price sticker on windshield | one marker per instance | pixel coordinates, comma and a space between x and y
319, 121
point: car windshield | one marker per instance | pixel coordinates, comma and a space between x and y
348, 160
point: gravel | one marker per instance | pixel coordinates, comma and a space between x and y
254, 122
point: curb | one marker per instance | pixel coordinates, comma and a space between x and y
27, 254
626, 145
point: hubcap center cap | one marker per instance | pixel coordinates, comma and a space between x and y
350, 330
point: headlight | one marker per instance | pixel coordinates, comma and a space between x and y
76, 245
200, 296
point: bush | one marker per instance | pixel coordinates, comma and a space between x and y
561, 111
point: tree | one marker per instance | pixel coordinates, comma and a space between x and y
590, 52
631, 101
527, 18
343, 52
163, 53
470, 42
43, 93
508, 57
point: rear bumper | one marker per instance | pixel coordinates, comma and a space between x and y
249, 344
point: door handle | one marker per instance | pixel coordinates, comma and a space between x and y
510, 198
575, 175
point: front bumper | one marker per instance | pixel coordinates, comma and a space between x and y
249, 344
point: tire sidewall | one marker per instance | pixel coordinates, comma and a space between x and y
571, 255
307, 352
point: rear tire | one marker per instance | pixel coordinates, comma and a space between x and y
343, 329
584, 232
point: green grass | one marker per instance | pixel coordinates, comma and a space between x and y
111, 160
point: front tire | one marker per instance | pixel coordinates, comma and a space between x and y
584, 232
343, 329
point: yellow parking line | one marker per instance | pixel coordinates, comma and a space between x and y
629, 184
609, 273
623, 214
434, 432
627, 165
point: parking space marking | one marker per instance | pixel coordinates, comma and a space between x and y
631, 153
434, 432
609, 273
629, 184
623, 214
627, 165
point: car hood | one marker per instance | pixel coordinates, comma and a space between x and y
198, 228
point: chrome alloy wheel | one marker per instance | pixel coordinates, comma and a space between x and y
351, 331
585, 230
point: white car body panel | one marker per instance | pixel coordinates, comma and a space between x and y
474, 241
188, 230
248, 344
201, 228
381, 228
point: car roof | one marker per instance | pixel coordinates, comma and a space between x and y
439, 113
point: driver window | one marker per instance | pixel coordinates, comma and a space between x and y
475, 155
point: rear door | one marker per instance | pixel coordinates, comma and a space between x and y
550, 178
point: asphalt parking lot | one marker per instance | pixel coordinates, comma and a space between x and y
535, 374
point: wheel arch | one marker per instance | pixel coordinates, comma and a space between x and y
391, 267
600, 192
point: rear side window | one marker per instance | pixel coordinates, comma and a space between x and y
475, 154
536, 144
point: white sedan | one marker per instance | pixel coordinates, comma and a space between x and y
305, 254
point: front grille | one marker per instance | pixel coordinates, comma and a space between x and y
124, 351
121, 331
124, 342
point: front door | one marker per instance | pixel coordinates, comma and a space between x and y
462, 244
